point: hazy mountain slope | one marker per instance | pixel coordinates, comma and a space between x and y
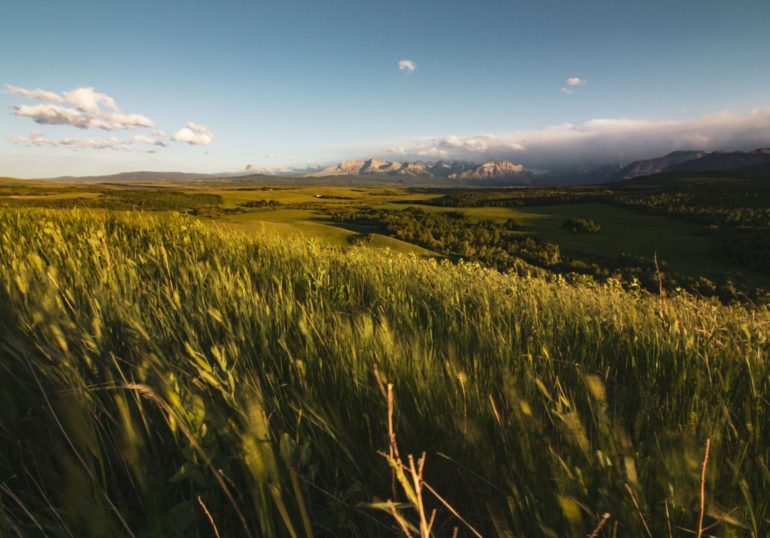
581, 175
695, 161
140, 176
719, 162
649, 167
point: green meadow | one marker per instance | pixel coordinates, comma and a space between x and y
302, 213
176, 362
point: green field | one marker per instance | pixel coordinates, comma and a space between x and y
303, 211
162, 376
623, 230
179, 362
675, 242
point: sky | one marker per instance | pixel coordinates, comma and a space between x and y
100, 87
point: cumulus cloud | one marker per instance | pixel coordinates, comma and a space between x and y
570, 84
118, 120
144, 139
37, 93
53, 115
194, 134
407, 65
97, 143
89, 100
85, 112
86, 108
59, 115
599, 141
40, 140
85, 99
575, 81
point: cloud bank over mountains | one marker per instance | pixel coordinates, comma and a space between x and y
85, 108
596, 141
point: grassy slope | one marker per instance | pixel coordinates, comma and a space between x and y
623, 231
150, 365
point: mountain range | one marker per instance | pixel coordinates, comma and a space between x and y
695, 161
464, 173
498, 172
451, 170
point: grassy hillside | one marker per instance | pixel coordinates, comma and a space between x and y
710, 236
161, 378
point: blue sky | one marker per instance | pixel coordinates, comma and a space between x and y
291, 83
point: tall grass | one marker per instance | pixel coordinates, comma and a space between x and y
159, 378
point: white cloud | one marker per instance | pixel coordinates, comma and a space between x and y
86, 114
97, 143
59, 115
575, 81
407, 65
144, 139
597, 141
53, 115
89, 100
37, 93
84, 99
197, 128
194, 134
86, 108
118, 120
447, 146
570, 84
40, 140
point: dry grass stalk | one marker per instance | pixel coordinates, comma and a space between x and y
668, 520
703, 488
208, 515
639, 511
602, 522
410, 478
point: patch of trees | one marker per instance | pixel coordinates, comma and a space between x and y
261, 204
520, 197
736, 216
501, 245
749, 247
581, 226
498, 244
129, 199
734, 212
